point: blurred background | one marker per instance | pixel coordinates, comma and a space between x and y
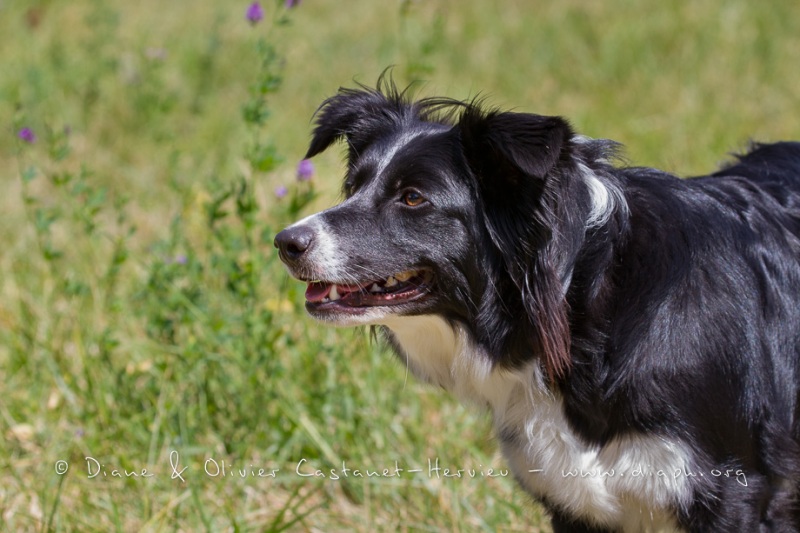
149, 152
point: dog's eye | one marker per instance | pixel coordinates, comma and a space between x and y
412, 198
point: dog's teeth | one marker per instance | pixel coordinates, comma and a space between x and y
390, 282
334, 294
405, 276
375, 288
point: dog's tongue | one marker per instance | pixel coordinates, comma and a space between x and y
316, 292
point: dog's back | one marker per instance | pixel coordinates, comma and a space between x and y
777, 163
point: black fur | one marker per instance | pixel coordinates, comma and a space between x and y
674, 313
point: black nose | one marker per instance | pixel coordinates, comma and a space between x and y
293, 242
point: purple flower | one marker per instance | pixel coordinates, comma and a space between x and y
181, 259
292, 3
281, 191
305, 170
27, 135
255, 13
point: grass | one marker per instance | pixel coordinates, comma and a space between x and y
145, 321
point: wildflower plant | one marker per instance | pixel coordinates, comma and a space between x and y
261, 151
211, 289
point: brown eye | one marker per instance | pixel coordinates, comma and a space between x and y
412, 198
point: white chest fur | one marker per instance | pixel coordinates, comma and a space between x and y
629, 483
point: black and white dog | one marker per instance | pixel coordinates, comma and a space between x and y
635, 336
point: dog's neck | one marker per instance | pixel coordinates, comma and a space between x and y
441, 353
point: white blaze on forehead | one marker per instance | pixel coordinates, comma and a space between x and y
398, 143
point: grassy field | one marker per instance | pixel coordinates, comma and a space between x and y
158, 372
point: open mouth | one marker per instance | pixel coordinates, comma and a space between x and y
397, 289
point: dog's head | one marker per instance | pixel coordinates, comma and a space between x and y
449, 209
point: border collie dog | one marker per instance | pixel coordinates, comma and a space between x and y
635, 336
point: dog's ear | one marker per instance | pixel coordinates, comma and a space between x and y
527, 146
357, 116
516, 160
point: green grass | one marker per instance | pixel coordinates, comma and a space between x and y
143, 311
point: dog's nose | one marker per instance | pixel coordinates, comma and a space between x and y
293, 242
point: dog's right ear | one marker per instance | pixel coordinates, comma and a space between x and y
357, 116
